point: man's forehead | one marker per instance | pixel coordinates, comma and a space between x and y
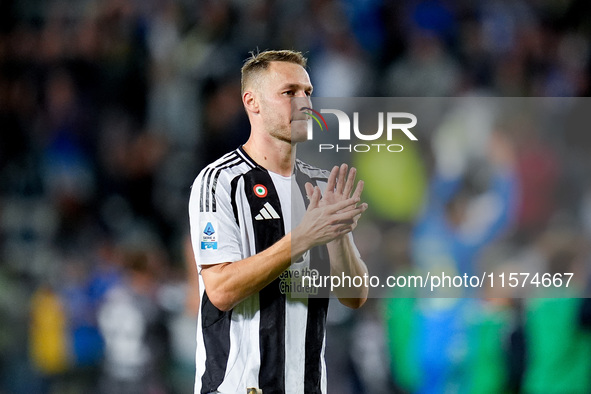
289, 73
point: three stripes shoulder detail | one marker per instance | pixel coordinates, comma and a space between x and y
211, 174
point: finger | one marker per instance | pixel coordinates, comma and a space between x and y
353, 206
332, 179
341, 179
360, 208
309, 190
345, 230
347, 217
358, 190
352, 216
345, 223
314, 198
356, 218
350, 182
342, 205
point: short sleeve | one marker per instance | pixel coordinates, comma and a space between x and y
215, 234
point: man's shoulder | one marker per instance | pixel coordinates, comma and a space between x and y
229, 165
216, 179
312, 171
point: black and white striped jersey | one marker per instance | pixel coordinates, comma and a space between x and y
273, 340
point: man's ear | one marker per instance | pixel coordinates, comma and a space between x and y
250, 102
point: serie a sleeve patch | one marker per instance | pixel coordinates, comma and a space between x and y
209, 235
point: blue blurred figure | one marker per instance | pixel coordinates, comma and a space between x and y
454, 228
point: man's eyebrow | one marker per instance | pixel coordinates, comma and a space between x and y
297, 86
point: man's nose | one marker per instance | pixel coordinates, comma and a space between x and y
297, 105
304, 99
303, 94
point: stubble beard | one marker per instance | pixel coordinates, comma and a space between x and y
280, 132
299, 131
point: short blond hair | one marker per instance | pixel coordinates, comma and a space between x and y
260, 61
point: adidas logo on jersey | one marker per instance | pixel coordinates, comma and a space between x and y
267, 212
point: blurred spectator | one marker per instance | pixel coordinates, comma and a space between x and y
49, 339
193, 302
427, 70
224, 118
539, 173
454, 228
556, 329
133, 325
339, 65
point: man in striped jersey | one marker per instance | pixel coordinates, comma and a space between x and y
252, 213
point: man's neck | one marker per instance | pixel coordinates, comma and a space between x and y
272, 154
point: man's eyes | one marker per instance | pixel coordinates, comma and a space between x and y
292, 93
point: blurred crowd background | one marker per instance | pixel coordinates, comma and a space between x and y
109, 109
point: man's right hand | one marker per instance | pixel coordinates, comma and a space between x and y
324, 221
